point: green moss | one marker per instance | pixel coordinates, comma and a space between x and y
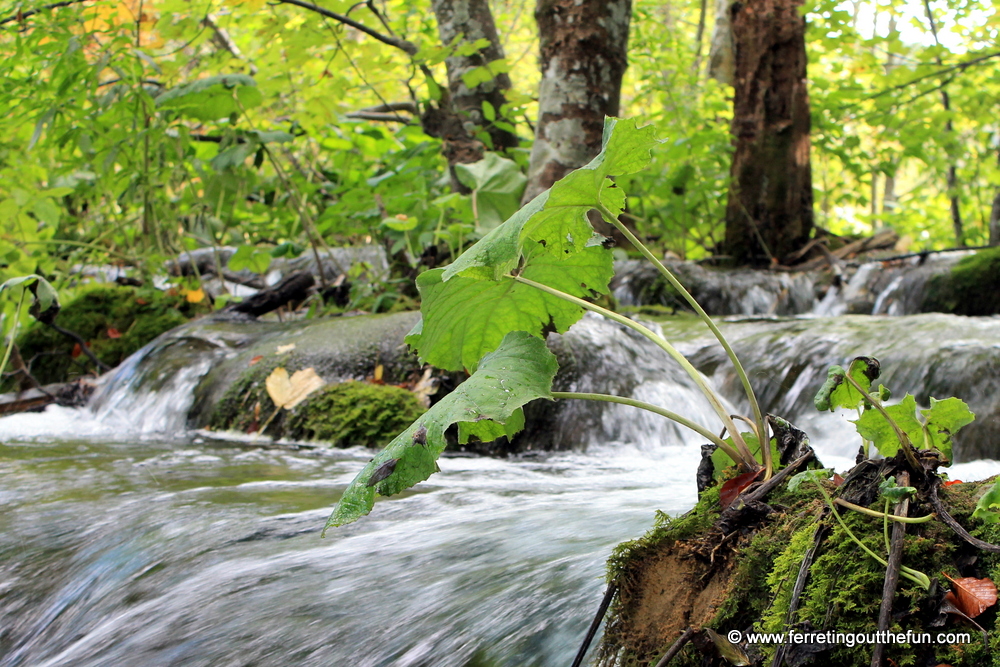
137, 315
355, 413
972, 287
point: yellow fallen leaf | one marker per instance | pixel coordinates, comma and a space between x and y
379, 370
425, 387
286, 348
287, 392
195, 295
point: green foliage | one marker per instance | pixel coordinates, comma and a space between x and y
892, 492
988, 507
721, 461
935, 430
497, 185
248, 257
116, 321
354, 414
472, 304
212, 98
816, 475
519, 370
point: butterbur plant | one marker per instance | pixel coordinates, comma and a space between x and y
487, 313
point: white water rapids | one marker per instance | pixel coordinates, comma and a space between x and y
125, 540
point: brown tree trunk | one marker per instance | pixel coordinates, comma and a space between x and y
770, 210
583, 47
472, 20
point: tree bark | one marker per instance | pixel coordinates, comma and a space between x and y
472, 20
583, 46
769, 214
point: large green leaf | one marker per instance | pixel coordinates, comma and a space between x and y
520, 370
464, 318
470, 305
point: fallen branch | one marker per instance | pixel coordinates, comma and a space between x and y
949, 521
895, 560
609, 595
294, 287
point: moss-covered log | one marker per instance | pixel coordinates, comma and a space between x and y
686, 572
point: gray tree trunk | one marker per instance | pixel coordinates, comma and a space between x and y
472, 20
583, 47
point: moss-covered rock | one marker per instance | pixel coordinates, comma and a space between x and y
972, 287
115, 320
344, 414
685, 573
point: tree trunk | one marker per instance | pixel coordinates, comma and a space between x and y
995, 221
472, 20
770, 210
583, 47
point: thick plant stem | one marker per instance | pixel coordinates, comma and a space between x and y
745, 457
758, 416
697, 428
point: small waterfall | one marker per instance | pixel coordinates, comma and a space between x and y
730, 292
892, 287
148, 396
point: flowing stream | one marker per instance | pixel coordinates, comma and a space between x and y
125, 540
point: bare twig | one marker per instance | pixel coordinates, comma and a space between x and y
20, 16
949, 521
676, 647
408, 47
609, 595
800, 585
75, 337
380, 117
894, 561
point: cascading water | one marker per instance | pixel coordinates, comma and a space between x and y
120, 545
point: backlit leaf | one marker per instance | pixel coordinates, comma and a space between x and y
287, 392
470, 305
988, 507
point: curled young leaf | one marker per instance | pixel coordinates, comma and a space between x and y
889, 490
817, 475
